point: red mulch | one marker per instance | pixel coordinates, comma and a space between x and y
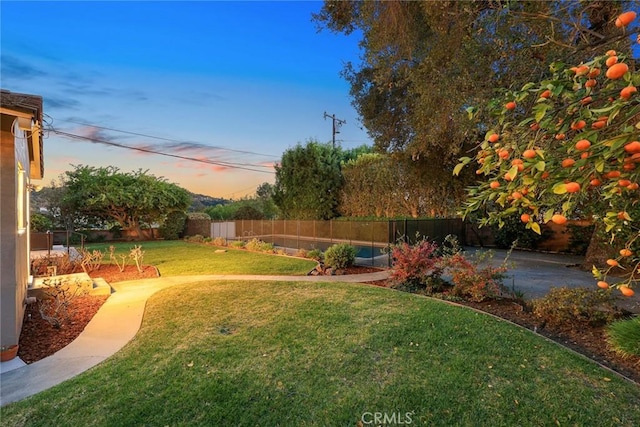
39, 339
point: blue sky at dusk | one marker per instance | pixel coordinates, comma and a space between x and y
232, 83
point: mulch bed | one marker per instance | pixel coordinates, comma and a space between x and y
39, 339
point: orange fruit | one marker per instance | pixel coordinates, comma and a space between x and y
508, 177
617, 70
585, 155
629, 166
602, 284
611, 52
510, 105
625, 19
583, 144
494, 137
534, 126
611, 60
503, 154
624, 183
595, 182
587, 100
516, 195
612, 262
581, 70
622, 215
559, 219
612, 174
625, 252
567, 163
545, 175
494, 184
590, 83
599, 124
580, 124
529, 154
632, 147
595, 72
627, 92
545, 94
560, 136
525, 217
572, 187
633, 186
626, 291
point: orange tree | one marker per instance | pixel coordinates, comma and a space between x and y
567, 147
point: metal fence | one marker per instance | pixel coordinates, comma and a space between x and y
372, 239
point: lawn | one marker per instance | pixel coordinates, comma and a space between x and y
293, 354
174, 258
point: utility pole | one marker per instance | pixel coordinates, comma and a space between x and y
336, 126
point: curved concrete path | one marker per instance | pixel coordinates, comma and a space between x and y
115, 324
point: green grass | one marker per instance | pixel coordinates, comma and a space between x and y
174, 258
296, 354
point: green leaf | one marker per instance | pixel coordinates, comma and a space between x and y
566, 206
458, 168
599, 164
540, 110
540, 166
547, 215
513, 172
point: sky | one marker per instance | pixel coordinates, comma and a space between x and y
234, 84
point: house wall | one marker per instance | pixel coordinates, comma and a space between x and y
14, 245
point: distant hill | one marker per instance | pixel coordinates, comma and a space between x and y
201, 202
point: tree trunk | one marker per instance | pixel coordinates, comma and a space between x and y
599, 249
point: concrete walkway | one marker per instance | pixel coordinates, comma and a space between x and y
119, 319
114, 325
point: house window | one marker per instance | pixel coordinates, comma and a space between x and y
21, 201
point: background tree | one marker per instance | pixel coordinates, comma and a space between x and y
132, 199
308, 181
567, 146
424, 63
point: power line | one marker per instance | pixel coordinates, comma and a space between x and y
146, 150
336, 126
166, 139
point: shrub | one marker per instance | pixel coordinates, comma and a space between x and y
237, 244
220, 241
258, 245
583, 305
301, 253
194, 239
415, 266
40, 223
472, 282
173, 226
340, 256
623, 337
315, 254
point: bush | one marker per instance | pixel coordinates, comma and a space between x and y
416, 266
257, 245
220, 241
237, 244
472, 282
173, 227
583, 305
40, 223
315, 254
194, 239
340, 256
301, 253
623, 337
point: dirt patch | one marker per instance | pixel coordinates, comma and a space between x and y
111, 273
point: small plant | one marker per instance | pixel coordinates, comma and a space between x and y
207, 240
59, 293
623, 336
340, 256
238, 244
583, 305
91, 261
257, 245
114, 258
473, 282
302, 253
195, 239
315, 254
219, 241
416, 266
137, 255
